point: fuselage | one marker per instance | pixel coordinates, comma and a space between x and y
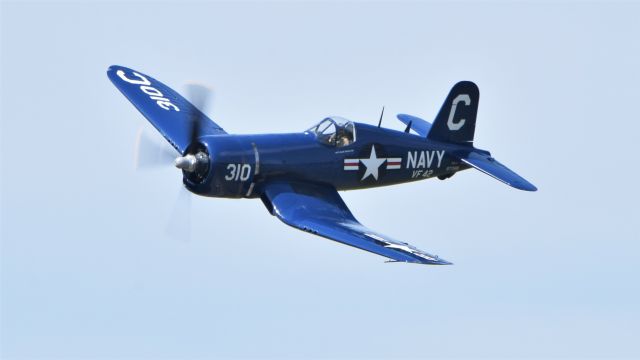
375, 157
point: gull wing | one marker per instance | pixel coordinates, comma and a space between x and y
165, 109
320, 210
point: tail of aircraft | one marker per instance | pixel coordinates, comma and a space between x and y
456, 121
456, 124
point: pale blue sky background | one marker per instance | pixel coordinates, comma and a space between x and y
87, 270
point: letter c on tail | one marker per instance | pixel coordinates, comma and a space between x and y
456, 125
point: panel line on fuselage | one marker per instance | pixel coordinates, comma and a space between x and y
256, 154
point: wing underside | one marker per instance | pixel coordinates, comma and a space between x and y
320, 210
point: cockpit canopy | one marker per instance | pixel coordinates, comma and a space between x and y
335, 131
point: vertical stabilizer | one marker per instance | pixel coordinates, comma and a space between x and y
456, 121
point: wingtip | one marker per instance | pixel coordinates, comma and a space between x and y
442, 262
114, 68
430, 262
525, 186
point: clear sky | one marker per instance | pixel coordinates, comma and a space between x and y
87, 268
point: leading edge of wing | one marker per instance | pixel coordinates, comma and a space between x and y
320, 210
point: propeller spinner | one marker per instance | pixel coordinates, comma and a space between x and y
149, 153
194, 162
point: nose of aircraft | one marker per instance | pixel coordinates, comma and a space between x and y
187, 163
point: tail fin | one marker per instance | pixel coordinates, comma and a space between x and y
456, 121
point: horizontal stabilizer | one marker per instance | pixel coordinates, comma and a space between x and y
418, 125
490, 166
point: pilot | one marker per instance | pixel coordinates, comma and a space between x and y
344, 137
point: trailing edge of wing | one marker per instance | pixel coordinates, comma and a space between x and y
165, 109
418, 125
320, 210
490, 166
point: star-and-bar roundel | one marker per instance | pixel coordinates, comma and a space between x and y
372, 162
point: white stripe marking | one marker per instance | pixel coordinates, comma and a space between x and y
250, 189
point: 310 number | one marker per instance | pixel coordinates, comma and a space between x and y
237, 172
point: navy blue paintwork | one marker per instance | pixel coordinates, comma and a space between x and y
456, 121
318, 209
298, 175
165, 109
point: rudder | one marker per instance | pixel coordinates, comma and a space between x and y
456, 121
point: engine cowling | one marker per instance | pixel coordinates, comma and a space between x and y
230, 169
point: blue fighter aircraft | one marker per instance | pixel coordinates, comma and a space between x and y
298, 175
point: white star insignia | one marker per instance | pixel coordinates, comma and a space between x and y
372, 164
